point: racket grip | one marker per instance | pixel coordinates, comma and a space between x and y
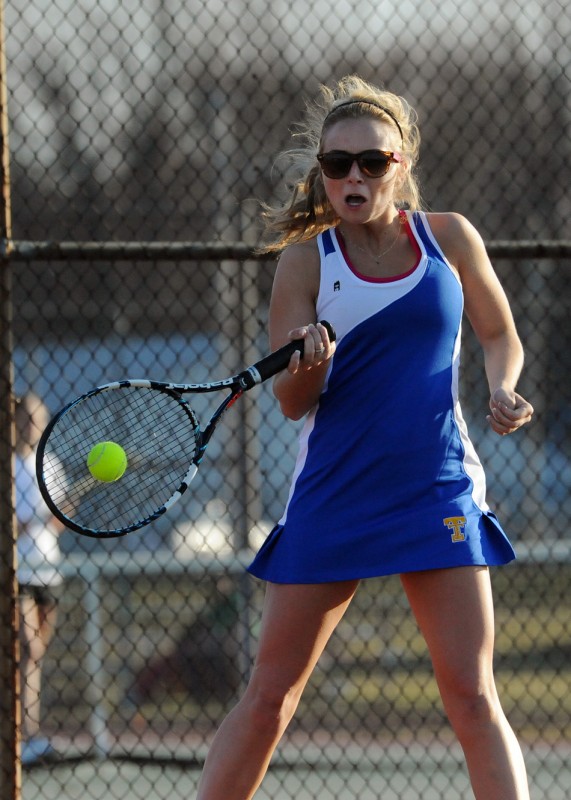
278, 360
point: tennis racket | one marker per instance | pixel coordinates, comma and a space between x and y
160, 434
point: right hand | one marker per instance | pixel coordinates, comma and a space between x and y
317, 347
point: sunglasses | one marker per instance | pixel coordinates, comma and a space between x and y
372, 163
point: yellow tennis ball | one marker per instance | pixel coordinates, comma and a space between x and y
107, 461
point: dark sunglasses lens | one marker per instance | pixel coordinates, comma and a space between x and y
336, 166
374, 165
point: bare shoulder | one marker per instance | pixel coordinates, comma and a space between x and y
301, 253
458, 237
450, 225
298, 267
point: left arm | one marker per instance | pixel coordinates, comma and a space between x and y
488, 310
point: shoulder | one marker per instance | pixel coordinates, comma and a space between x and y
302, 252
299, 266
451, 225
457, 237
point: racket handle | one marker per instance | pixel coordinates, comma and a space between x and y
278, 360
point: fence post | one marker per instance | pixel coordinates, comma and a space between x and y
10, 765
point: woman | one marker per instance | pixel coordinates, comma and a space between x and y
39, 579
386, 480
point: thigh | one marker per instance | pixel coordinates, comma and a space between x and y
454, 610
29, 618
297, 622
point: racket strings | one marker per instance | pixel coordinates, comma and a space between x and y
160, 436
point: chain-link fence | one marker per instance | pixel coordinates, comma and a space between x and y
158, 122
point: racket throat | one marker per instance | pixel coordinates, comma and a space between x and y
217, 416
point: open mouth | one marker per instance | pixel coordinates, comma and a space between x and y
354, 200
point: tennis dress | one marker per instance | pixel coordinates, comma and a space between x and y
386, 479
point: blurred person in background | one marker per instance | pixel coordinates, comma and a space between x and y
38, 573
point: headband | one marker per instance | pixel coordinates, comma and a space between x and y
369, 103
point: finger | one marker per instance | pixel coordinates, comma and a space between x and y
315, 337
503, 424
298, 333
294, 361
309, 333
525, 410
317, 347
504, 413
323, 335
314, 347
325, 342
518, 416
505, 417
497, 427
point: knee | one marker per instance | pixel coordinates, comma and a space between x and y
470, 706
271, 704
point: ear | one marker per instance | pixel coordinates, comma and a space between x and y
403, 168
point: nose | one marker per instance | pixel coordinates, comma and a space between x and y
355, 172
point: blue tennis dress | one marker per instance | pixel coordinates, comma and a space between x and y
386, 479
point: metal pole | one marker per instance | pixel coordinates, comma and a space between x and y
10, 765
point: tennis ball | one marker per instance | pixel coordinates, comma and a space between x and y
107, 461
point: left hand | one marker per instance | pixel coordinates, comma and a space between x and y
510, 411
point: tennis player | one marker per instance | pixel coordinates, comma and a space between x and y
387, 480
39, 578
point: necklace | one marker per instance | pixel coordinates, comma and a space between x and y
377, 258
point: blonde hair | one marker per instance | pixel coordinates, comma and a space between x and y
308, 212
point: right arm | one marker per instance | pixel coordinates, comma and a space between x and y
293, 316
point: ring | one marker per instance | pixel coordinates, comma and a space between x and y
320, 350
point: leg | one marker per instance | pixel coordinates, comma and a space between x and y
36, 630
296, 625
454, 610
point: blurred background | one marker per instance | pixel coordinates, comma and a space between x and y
160, 121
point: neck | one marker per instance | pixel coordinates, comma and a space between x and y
374, 242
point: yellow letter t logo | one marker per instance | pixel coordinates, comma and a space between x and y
456, 525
